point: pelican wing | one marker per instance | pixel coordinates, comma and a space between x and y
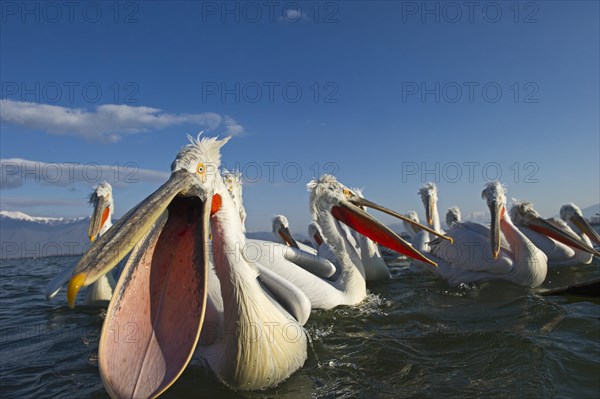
471, 250
554, 250
321, 293
290, 297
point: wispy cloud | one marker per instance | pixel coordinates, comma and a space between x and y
16, 172
17, 203
232, 127
108, 122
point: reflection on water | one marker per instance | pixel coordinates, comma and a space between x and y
413, 336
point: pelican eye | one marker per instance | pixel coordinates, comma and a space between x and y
200, 168
347, 192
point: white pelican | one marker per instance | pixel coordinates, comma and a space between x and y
498, 251
282, 234
410, 228
233, 182
419, 239
554, 237
303, 256
572, 215
373, 265
453, 215
429, 198
101, 291
332, 203
370, 256
155, 319
319, 260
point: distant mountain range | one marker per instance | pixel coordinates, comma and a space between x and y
25, 236
591, 211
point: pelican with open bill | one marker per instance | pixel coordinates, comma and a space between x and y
167, 292
168, 233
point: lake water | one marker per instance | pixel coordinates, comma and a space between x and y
413, 337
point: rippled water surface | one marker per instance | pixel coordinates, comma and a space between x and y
414, 337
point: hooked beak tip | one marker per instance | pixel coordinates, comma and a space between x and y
92, 238
75, 285
495, 254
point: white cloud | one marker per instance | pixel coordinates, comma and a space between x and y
36, 202
16, 172
108, 122
232, 128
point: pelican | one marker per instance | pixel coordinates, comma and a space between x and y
554, 237
164, 294
281, 231
374, 268
498, 251
453, 215
419, 239
233, 182
303, 256
101, 291
331, 203
429, 198
572, 215
370, 256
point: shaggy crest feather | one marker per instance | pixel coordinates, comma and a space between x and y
428, 188
205, 149
569, 210
281, 220
494, 189
522, 212
453, 215
412, 215
314, 184
103, 189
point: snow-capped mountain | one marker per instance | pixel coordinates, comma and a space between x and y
26, 236
591, 211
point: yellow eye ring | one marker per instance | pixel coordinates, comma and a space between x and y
347, 192
200, 168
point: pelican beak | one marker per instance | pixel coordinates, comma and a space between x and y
359, 201
585, 227
99, 217
429, 210
359, 220
497, 211
287, 237
544, 227
156, 314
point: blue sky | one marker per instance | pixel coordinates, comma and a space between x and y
388, 91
